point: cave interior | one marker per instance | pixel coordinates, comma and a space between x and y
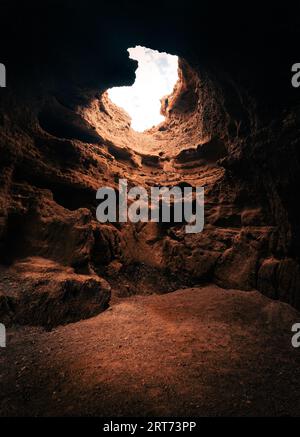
231, 125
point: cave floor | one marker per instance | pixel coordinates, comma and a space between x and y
198, 351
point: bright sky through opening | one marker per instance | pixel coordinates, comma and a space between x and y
156, 76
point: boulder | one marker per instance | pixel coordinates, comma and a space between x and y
37, 291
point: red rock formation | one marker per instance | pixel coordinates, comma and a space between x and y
61, 139
233, 126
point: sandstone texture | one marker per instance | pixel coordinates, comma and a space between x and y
146, 319
52, 167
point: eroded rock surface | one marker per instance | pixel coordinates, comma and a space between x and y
36, 291
225, 129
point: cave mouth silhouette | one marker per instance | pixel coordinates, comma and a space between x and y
181, 123
156, 77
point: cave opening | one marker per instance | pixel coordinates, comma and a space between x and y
198, 324
156, 76
163, 118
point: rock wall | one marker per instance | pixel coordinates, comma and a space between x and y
61, 139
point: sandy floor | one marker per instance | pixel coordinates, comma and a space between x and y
202, 351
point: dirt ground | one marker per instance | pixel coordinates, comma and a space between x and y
198, 351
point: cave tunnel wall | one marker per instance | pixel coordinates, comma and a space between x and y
69, 52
